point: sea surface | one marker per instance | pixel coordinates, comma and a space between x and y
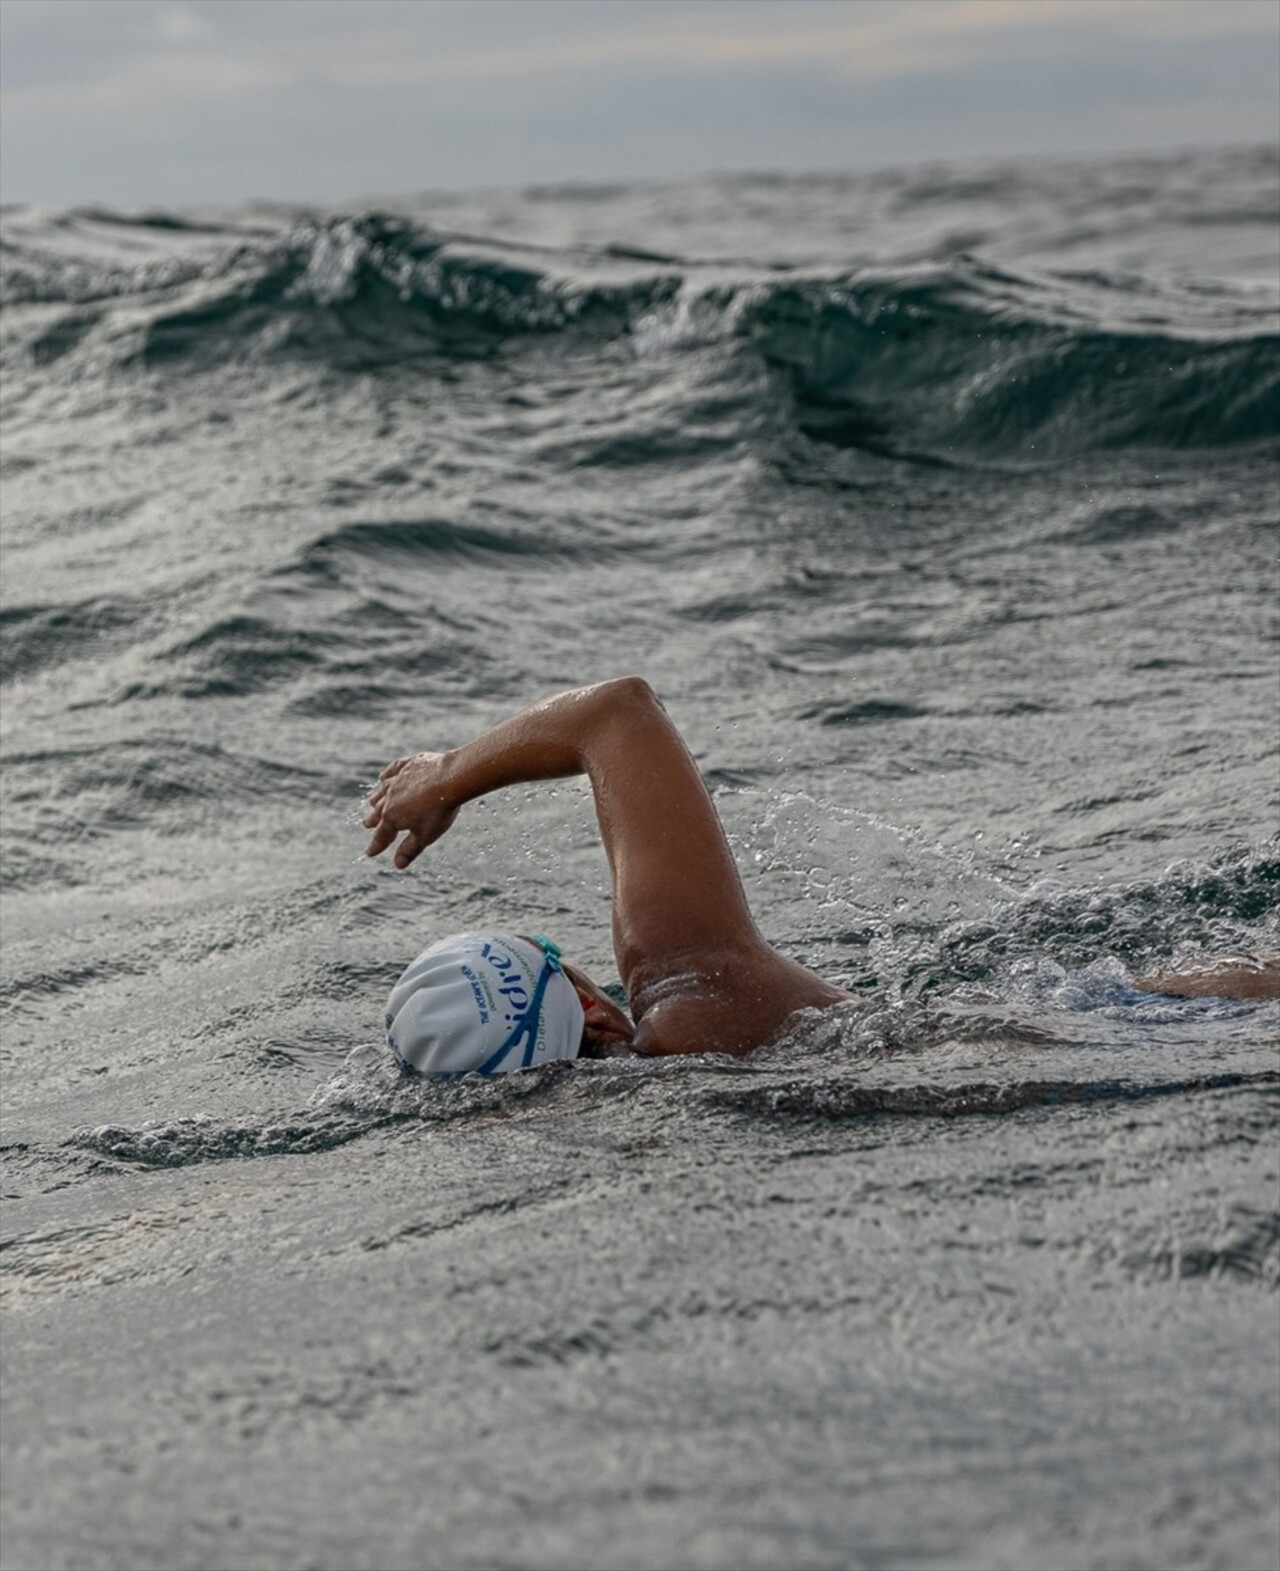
940, 506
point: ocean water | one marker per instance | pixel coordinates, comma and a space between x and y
940, 505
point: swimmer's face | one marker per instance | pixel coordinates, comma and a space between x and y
606, 1030
605, 1027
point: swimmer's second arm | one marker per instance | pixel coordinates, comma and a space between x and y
1246, 977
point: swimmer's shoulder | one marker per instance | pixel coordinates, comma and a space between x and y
731, 1002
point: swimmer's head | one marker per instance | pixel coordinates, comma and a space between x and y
486, 1003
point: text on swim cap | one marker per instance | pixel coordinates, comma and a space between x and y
478, 992
513, 985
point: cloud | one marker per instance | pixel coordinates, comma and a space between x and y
366, 44
188, 100
179, 24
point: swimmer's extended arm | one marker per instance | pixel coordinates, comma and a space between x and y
1245, 978
677, 897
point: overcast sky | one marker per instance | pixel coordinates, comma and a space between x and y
133, 102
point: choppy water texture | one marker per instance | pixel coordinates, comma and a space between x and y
940, 507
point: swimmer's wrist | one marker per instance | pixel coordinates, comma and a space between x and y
453, 791
466, 773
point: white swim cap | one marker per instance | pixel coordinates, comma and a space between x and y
484, 1002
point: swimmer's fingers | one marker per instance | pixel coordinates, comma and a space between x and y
378, 794
427, 830
410, 848
387, 801
383, 835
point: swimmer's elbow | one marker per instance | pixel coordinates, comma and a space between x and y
627, 691
624, 700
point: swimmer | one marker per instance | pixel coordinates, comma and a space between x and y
697, 972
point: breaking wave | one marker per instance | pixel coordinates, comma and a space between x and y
944, 361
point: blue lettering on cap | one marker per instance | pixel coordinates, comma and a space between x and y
476, 992
513, 982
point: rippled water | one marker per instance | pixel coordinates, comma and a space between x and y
939, 505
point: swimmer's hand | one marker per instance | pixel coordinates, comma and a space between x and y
411, 796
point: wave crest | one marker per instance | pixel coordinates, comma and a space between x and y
942, 362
